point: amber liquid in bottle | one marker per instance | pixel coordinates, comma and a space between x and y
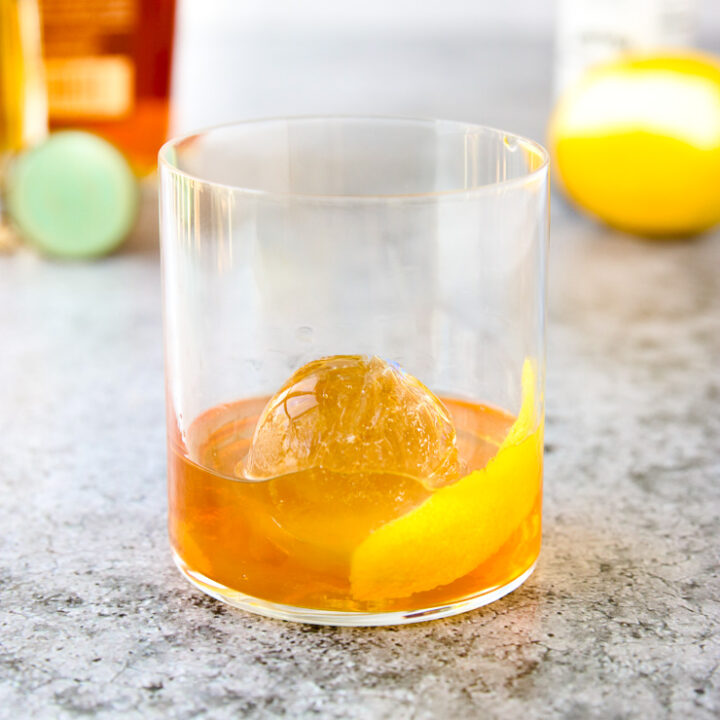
291, 539
108, 68
22, 93
23, 113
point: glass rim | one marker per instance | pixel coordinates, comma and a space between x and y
532, 145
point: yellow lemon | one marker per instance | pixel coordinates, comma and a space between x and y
637, 143
459, 526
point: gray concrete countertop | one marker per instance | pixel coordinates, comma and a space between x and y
620, 620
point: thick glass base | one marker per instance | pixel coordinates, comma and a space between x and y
348, 619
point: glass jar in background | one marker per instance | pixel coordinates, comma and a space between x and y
354, 326
589, 32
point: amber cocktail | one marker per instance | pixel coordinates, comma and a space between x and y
313, 484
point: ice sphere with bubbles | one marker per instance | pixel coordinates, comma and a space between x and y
350, 414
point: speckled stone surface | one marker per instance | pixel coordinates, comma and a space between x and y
620, 620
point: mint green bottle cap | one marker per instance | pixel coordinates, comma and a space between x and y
73, 196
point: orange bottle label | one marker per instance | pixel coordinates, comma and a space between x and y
89, 65
100, 87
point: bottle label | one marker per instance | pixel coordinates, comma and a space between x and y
89, 64
98, 87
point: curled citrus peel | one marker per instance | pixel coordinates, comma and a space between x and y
459, 526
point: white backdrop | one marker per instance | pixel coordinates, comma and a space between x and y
474, 60
521, 16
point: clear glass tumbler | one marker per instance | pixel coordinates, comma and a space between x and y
354, 329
